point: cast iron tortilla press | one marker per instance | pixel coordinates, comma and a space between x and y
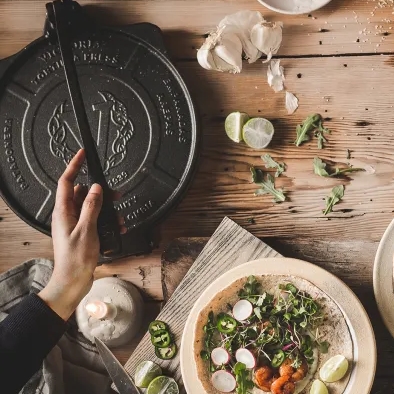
136, 107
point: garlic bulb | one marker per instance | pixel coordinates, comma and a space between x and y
267, 37
241, 24
222, 51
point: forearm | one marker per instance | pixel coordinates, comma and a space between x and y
27, 335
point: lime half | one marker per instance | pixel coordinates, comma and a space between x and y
145, 373
334, 369
318, 387
258, 132
163, 385
234, 124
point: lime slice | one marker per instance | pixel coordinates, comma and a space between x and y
234, 124
163, 385
145, 373
334, 369
258, 132
318, 387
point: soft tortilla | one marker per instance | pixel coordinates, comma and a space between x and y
334, 329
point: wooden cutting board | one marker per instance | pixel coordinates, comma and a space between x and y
228, 247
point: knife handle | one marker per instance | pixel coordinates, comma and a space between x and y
108, 227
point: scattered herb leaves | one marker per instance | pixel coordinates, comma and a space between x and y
267, 186
319, 167
271, 163
348, 154
335, 196
312, 123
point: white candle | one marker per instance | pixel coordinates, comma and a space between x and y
100, 309
112, 311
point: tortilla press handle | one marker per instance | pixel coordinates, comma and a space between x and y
60, 16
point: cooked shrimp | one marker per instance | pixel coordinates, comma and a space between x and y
263, 377
282, 385
267, 325
295, 375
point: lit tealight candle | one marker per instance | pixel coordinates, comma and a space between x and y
101, 310
112, 312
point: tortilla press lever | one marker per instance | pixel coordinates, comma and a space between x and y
61, 17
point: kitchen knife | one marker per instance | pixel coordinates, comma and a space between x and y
61, 15
118, 374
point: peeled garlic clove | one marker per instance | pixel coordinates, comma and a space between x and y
267, 37
241, 24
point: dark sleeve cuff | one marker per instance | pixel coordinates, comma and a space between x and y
33, 315
27, 335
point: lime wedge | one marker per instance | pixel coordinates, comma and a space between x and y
145, 373
234, 124
163, 385
258, 132
334, 369
318, 387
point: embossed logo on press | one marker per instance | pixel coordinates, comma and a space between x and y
115, 130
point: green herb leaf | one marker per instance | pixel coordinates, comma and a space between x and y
271, 163
257, 312
309, 124
291, 288
243, 378
335, 196
323, 346
267, 186
204, 355
319, 168
312, 123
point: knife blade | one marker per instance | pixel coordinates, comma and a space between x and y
118, 374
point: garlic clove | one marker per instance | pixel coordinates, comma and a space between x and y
267, 37
205, 59
291, 103
241, 24
221, 51
275, 75
230, 51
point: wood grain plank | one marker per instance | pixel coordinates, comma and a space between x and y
229, 246
351, 261
333, 30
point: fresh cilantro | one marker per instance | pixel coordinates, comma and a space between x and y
319, 167
335, 196
271, 163
323, 347
267, 186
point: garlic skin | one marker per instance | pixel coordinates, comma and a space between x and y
275, 75
221, 51
241, 23
267, 37
291, 103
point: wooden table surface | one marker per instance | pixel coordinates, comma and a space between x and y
339, 61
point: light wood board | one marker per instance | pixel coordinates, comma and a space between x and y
228, 247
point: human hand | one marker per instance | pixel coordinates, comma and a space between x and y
75, 241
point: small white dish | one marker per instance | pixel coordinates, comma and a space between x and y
294, 7
383, 278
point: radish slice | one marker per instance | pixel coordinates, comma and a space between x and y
220, 356
223, 381
242, 310
246, 357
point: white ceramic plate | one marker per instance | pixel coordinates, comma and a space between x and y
294, 6
383, 278
364, 366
